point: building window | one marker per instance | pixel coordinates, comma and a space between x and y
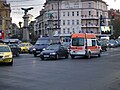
78, 22
7, 22
63, 22
72, 22
63, 30
6, 14
68, 13
77, 13
73, 30
68, 22
0, 15
93, 43
52, 6
0, 22
63, 13
97, 14
89, 13
89, 23
68, 30
89, 4
72, 13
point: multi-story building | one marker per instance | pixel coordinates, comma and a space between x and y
5, 19
74, 16
39, 26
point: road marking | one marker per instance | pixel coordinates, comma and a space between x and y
115, 55
105, 54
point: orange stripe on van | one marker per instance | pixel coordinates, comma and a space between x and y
76, 48
83, 35
92, 47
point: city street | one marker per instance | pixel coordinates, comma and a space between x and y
31, 73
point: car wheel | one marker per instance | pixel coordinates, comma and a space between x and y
17, 54
35, 55
42, 58
105, 49
88, 55
72, 56
57, 57
11, 63
66, 56
99, 55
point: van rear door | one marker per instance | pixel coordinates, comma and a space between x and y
78, 46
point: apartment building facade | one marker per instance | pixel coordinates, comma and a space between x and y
74, 16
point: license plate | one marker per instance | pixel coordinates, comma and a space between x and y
37, 51
46, 55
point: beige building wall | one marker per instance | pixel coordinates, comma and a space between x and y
5, 19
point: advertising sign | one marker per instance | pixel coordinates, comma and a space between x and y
106, 30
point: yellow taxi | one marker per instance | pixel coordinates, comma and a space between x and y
6, 54
25, 47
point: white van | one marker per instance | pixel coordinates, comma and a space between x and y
84, 44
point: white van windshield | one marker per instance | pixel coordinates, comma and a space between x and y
42, 42
78, 42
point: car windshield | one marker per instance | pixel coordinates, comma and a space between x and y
53, 47
78, 42
12, 46
22, 45
112, 41
39, 42
4, 49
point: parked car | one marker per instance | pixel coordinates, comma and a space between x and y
12, 41
112, 44
15, 49
54, 51
30, 50
6, 54
42, 43
66, 45
103, 45
118, 42
25, 47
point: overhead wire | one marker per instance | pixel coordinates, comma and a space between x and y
26, 5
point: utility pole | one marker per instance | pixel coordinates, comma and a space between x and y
58, 18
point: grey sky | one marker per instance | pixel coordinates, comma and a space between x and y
17, 13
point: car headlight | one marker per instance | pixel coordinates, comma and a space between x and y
53, 53
44, 49
34, 49
7, 56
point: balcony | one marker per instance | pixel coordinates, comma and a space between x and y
90, 25
92, 17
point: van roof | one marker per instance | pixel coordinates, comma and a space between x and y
83, 35
50, 38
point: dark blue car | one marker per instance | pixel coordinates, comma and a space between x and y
43, 43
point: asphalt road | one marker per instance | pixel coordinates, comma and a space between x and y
30, 73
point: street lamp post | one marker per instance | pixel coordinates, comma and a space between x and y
58, 18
